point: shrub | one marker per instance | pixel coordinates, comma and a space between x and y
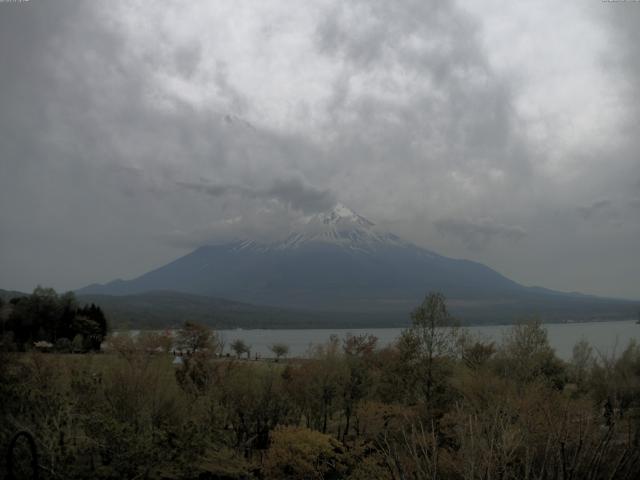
302, 453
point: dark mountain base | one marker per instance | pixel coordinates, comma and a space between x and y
157, 310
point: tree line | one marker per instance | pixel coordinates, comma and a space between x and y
437, 404
49, 321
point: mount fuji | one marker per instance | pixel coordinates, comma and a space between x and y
338, 262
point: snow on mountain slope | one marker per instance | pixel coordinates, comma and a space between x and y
339, 216
339, 226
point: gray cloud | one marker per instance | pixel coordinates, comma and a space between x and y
623, 21
405, 111
477, 234
291, 192
300, 196
263, 224
435, 118
216, 190
595, 208
634, 203
187, 59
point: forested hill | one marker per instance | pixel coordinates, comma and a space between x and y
164, 309
167, 309
7, 295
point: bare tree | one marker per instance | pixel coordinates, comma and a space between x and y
432, 335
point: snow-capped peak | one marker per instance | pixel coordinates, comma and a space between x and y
341, 216
339, 226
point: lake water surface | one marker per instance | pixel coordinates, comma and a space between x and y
606, 337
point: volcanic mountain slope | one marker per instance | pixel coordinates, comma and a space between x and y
338, 261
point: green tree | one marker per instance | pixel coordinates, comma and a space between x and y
34, 317
279, 350
252, 396
2, 319
77, 344
526, 355
45, 315
239, 347
581, 362
315, 385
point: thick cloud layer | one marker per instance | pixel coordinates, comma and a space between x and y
132, 132
291, 192
477, 234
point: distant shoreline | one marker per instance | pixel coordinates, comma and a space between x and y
385, 327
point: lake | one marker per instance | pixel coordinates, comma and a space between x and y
606, 337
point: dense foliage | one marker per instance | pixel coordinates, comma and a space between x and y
47, 320
436, 404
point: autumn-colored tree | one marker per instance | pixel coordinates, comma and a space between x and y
297, 453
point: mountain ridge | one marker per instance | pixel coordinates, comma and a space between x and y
337, 261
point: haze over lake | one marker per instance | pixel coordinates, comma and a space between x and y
605, 337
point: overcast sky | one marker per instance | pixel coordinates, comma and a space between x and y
503, 132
